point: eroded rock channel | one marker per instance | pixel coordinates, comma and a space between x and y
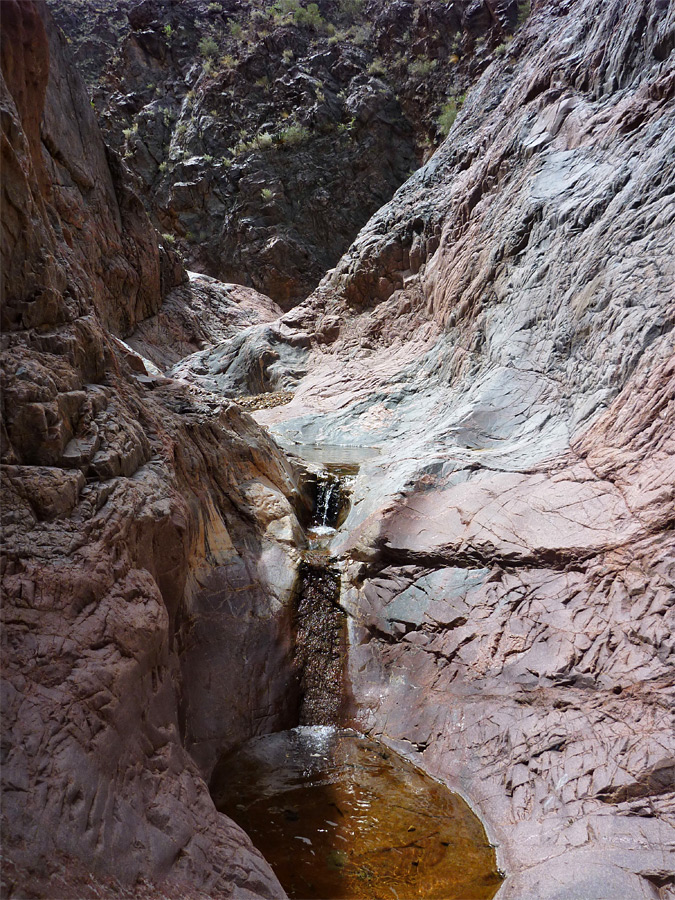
335, 813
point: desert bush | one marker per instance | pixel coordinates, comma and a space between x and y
422, 66
293, 134
208, 48
449, 111
350, 8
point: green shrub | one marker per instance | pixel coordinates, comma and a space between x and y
523, 11
448, 114
293, 134
350, 8
129, 132
377, 67
266, 194
208, 47
500, 50
168, 30
215, 8
309, 16
235, 30
169, 238
360, 34
263, 140
285, 11
422, 66
287, 55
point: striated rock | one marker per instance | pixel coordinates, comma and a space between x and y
196, 317
500, 334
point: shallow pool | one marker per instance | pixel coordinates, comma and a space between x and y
340, 816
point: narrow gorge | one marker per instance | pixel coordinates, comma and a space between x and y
338, 449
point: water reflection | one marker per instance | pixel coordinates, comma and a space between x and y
341, 816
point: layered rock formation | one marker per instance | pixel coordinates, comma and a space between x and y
502, 332
134, 511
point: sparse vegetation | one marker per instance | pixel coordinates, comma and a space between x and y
293, 134
168, 30
449, 111
360, 34
286, 11
377, 67
422, 66
350, 8
266, 194
236, 30
169, 238
208, 48
523, 11
500, 50
129, 132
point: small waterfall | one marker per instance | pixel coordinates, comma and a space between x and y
320, 623
328, 500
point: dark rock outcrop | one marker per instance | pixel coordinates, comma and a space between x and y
264, 139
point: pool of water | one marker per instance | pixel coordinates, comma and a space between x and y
338, 815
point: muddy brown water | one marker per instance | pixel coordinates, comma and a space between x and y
338, 815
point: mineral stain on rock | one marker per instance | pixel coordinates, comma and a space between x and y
339, 815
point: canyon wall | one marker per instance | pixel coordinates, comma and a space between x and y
133, 509
501, 331
262, 138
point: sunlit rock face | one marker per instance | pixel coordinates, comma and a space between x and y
502, 332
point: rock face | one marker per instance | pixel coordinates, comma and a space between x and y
264, 136
124, 531
502, 331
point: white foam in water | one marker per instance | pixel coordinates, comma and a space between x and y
321, 530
